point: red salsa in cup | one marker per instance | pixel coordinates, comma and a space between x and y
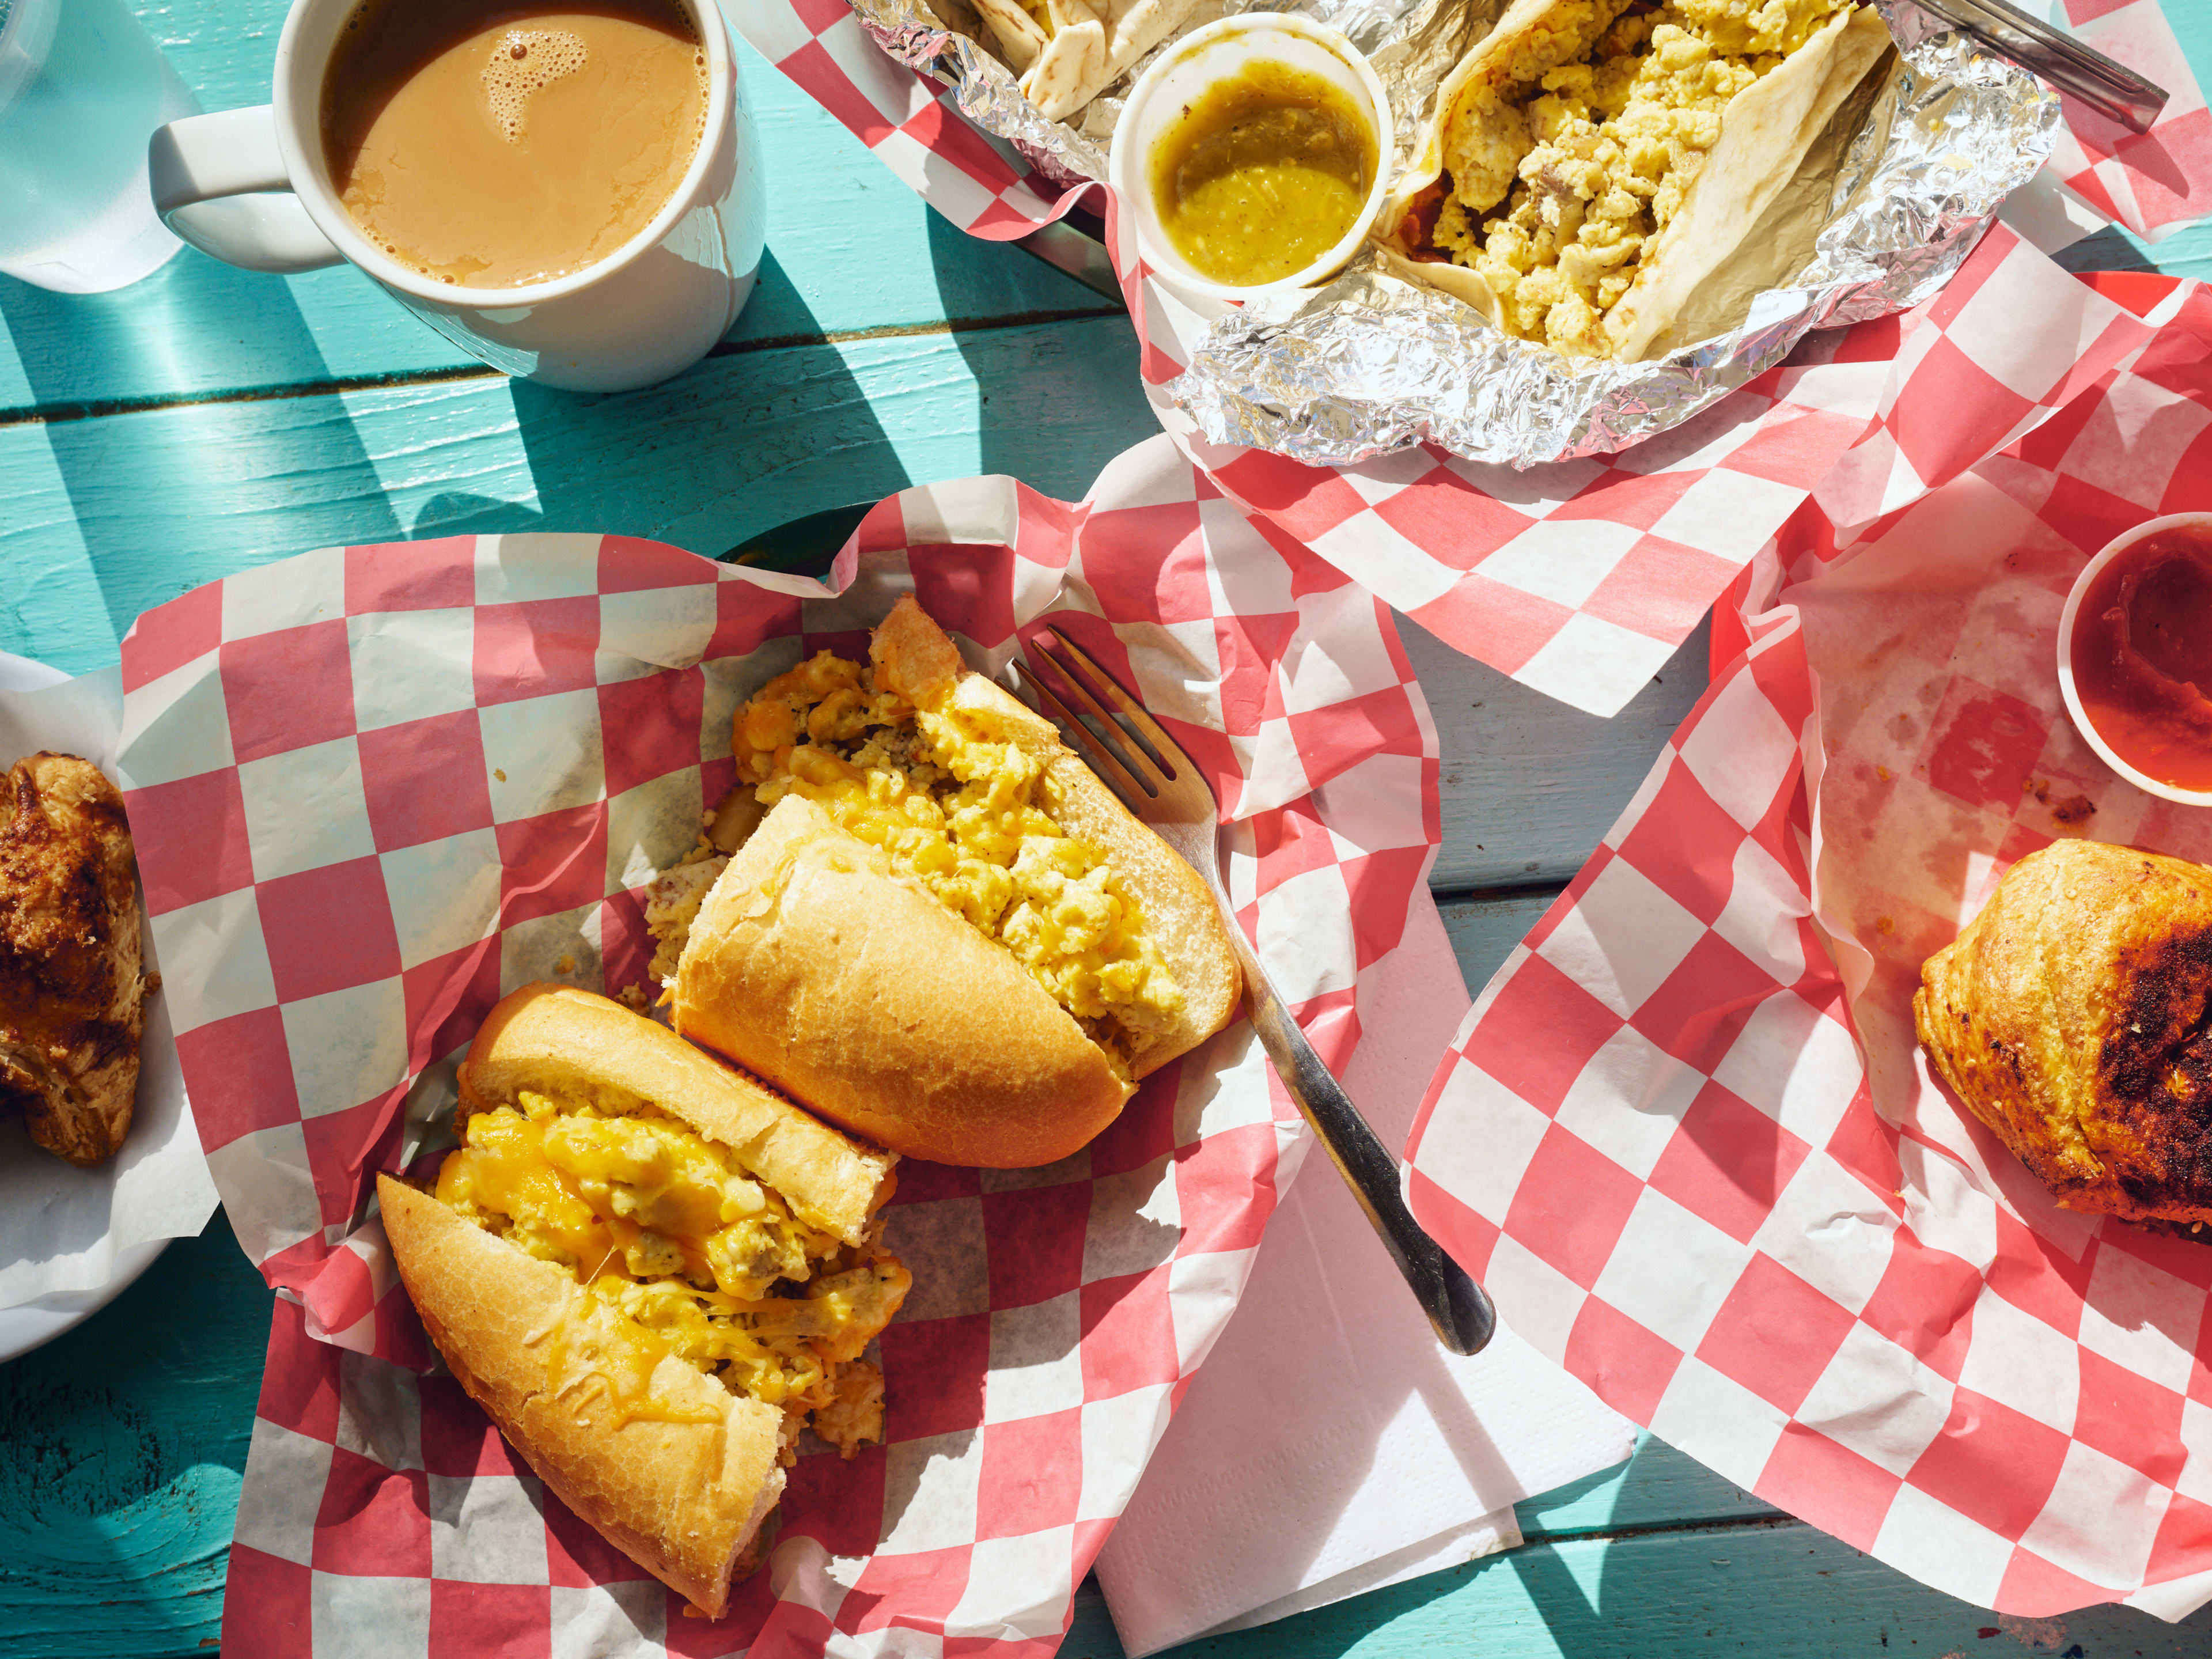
2141, 652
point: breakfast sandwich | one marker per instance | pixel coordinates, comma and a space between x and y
653, 1274
1589, 163
946, 933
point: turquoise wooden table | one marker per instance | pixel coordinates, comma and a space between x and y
208, 419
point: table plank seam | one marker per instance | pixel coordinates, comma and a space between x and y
1498, 894
1767, 1523
912, 331
94, 409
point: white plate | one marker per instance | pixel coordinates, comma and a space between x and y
24, 1328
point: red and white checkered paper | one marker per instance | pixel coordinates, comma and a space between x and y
376, 787
1704, 1167
2152, 182
1581, 577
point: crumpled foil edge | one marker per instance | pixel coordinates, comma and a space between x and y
1373, 364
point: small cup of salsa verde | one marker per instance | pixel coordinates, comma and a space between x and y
1254, 155
2135, 657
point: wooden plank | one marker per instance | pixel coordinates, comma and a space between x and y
1484, 927
1657, 1487
121, 1464
852, 252
1774, 1589
2187, 252
1529, 784
106, 517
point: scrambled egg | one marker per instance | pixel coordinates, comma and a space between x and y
665, 1226
1585, 143
672, 899
960, 808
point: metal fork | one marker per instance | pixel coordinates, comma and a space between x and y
1157, 781
2111, 89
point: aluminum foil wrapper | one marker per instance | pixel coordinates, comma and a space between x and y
1890, 203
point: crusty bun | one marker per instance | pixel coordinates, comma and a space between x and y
555, 1036
819, 962
914, 657
814, 965
677, 1466
683, 1499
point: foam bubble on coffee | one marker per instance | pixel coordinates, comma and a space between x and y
524, 62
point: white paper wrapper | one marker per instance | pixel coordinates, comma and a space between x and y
1244, 1516
61, 1229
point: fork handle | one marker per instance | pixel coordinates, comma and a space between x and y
1457, 1306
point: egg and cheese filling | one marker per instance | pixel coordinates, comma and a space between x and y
960, 808
1569, 162
665, 1226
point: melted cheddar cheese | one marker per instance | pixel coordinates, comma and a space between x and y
960, 808
664, 1226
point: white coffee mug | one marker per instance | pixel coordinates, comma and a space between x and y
252, 187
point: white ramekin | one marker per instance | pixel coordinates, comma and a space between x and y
2090, 571
1218, 52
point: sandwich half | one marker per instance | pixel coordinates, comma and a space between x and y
652, 1275
1589, 163
946, 934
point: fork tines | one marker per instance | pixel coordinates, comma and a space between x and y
1131, 753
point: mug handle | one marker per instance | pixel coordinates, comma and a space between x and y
219, 182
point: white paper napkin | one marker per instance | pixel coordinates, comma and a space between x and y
62, 1229
1329, 1446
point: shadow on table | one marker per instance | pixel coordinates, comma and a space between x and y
1057, 390
764, 430
120, 1466
76, 348
1684, 1563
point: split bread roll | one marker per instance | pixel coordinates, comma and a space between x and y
652, 1273
683, 1500
2071, 1017
890, 951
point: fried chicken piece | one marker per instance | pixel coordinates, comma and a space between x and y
2074, 1017
72, 996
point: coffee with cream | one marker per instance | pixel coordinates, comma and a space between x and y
498, 145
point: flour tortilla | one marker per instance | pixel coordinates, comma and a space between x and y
1766, 133
1077, 65
1020, 36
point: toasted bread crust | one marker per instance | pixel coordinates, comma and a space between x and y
815, 966
683, 1500
2071, 1017
547, 1036
1180, 912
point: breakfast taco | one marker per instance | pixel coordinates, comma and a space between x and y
1590, 163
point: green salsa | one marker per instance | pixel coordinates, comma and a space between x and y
1263, 174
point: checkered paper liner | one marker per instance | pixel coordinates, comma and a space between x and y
376, 787
2152, 182
1581, 577
1700, 1160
